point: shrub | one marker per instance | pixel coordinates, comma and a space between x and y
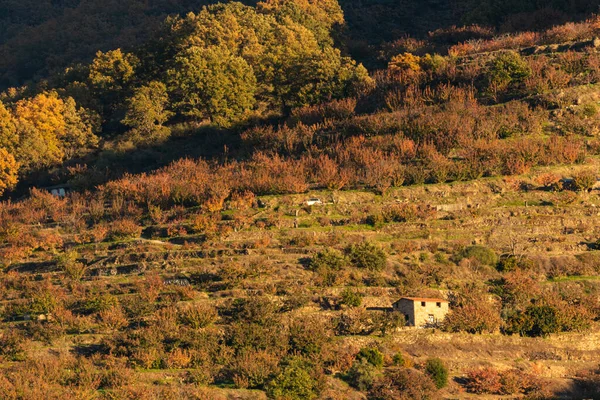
406, 212
433, 63
367, 256
67, 261
124, 229
584, 180
541, 321
179, 358
254, 368
473, 316
403, 384
362, 374
258, 310
351, 298
508, 68
385, 322
371, 355
405, 62
308, 335
537, 320
116, 374
482, 254
98, 303
112, 319
398, 359
435, 368
295, 382
483, 380
515, 381
197, 315
328, 259
12, 345
488, 380
375, 220
354, 322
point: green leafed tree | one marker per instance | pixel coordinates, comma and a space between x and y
212, 83
292, 63
112, 71
321, 76
147, 112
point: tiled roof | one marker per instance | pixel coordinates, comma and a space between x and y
426, 299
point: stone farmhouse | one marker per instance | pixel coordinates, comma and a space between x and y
422, 312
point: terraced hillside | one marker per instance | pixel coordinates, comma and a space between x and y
177, 273
185, 262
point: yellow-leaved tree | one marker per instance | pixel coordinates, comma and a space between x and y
9, 169
320, 16
49, 130
8, 129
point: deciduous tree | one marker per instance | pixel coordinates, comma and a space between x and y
212, 83
147, 112
8, 170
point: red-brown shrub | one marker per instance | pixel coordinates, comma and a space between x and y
483, 380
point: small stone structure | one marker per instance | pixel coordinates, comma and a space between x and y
422, 312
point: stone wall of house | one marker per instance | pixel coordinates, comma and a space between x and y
422, 316
407, 308
423, 313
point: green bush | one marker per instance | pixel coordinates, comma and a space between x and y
371, 355
375, 220
398, 360
507, 264
508, 68
435, 368
362, 374
482, 254
98, 303
327, 265
351, 298
367, 255
511, 263
295, 382
329, 259
386, 322
537, 320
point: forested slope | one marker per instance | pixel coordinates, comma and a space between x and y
38, 37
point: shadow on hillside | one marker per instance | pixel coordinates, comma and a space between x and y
100, 167
582, 388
